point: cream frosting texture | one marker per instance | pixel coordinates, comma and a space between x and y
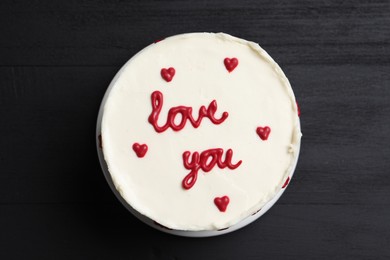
255, 94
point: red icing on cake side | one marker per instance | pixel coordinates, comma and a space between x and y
286, 183
222, 203
230, 64
140, 149
205, 161
185, 112
158, 40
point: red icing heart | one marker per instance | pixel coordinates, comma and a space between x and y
168, 74
230, 64
140, 149
222, 203
299, 109
263, 132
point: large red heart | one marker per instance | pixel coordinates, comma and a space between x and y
168, 74
221, 203
140, 149
263, 132
230, 64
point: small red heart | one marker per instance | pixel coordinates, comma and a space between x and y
263, 132
221, 203
230, 64
140, 149
168, 74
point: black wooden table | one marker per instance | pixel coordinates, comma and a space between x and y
57, 59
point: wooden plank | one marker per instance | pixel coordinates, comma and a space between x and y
101, 231
105, 33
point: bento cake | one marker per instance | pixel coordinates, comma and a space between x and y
199, 131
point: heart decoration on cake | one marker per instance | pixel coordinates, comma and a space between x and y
263, 132
167, 74
222, 203
140, 149
230, 64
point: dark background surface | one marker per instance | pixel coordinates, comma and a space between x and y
57, 59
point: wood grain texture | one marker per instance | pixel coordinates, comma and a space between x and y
104, 33
57, 59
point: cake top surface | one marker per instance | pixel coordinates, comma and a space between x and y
200, 130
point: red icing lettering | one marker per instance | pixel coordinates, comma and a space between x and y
205, 161
230, 64
185, 112
299, 109
222, 203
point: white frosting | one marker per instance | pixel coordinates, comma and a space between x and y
256, 93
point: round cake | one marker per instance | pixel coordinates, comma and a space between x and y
199, 131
